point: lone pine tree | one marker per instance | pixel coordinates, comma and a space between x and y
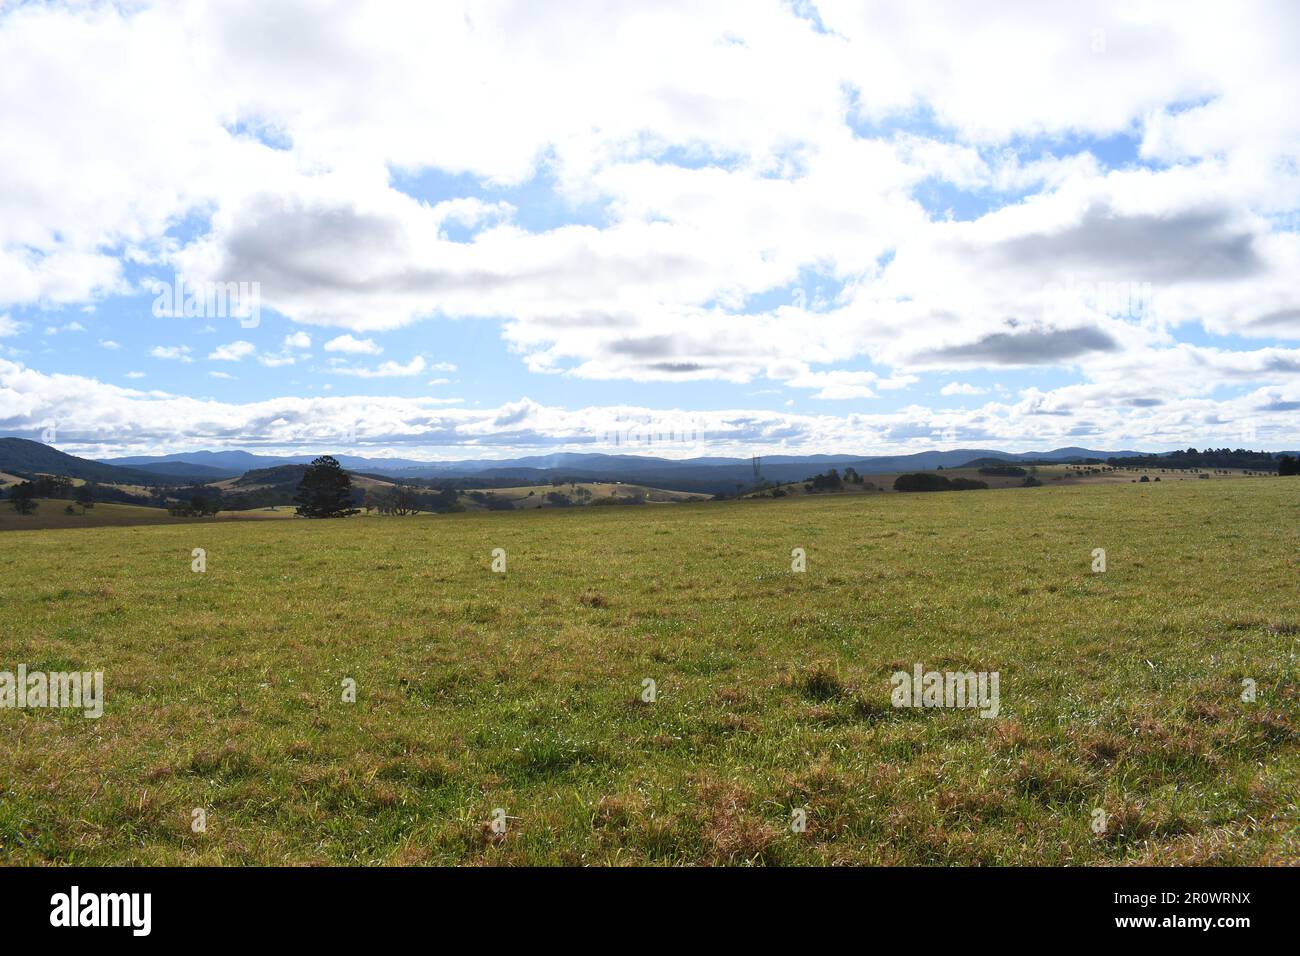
325, 490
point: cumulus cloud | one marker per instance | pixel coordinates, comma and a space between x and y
385, 369
68, 327
732, 191
98, 418
353, 346
173, 353
232, 351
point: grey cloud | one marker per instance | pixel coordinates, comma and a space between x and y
655, 346
1034, 347
1202, 244
1289, 318
677, 366
1279, 364
295, 248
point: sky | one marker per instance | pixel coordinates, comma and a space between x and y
482, 230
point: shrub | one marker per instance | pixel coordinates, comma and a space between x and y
921, 481
925, 481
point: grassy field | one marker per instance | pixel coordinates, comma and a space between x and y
534, 496
522, 691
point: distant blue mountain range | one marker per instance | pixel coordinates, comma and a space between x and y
706, 473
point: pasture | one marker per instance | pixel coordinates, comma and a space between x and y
502, 718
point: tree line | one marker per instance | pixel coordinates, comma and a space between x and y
1208, 458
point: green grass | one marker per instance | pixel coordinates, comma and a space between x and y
522, 691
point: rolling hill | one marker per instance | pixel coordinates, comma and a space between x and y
701, 475
22, 457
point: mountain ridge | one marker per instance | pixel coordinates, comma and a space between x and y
711, 474
562, 460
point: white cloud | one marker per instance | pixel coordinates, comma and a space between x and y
962, 388
109, 344
282, 359
743, 166
175, 353
68, 327
385, 369
346, 343
232, 351
839, 384
106, 419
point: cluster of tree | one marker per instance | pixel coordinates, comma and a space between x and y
23, 495
1004, 471
831, 481
926, 481
52, 486
1209, 458
1288, 465
577, 496
197, 505
403, 500
491, 501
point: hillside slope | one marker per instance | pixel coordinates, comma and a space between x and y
23, 457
